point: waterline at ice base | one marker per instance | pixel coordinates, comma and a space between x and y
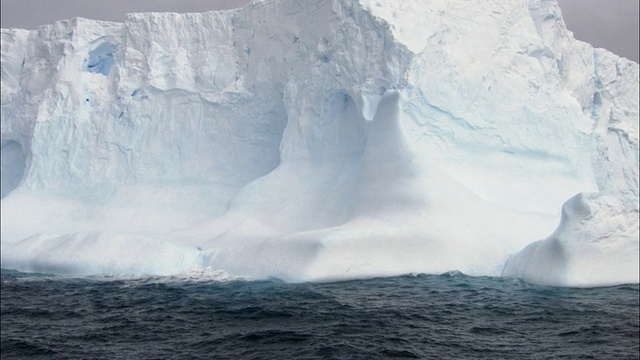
316, 140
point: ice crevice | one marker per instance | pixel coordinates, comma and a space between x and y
315, 140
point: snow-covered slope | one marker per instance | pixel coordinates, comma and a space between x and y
321, 140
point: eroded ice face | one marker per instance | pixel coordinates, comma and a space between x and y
321, 140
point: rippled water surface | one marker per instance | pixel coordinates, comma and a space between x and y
447, 316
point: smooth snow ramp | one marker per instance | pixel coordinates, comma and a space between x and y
317, 140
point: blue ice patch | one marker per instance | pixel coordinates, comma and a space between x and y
100, 59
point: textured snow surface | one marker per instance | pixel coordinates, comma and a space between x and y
315, 140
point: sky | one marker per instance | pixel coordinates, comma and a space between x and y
611, 24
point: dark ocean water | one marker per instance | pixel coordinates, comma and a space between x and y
447, 316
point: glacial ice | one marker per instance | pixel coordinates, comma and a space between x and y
315, 140
100, 59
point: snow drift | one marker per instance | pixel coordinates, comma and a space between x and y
315, 140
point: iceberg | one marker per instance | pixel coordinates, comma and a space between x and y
315, 140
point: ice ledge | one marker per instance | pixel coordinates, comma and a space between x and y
595, 244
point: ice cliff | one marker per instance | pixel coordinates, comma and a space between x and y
315, 140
